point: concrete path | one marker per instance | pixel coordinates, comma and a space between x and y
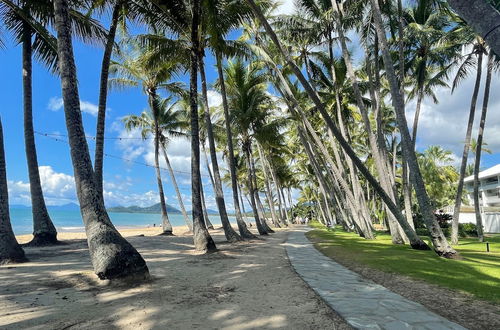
362, 303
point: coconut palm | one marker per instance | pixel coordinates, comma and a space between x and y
202, 239
141, 69
28, 22
429, 53
171, 123
10, 250
479, 145
249, 106
111, 255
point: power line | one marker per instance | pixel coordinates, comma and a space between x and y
56, 137
90, 137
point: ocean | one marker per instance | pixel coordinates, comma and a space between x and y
71, 221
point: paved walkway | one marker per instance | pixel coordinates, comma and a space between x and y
362, 303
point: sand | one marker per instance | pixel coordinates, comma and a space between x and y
248, 285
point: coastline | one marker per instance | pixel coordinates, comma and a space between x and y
125, 231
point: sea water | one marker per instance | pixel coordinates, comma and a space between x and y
71, 221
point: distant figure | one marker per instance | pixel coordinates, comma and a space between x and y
154, 224
249, 224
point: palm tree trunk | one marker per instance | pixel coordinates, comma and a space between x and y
44, 232
465, 154
177, 192
204, 206
229, 232
248, 156
111, 255
243, 204
10, 250
202, 239
416, 117
167, 227
263, 218
477, 162
483, 18
441, 245
242, 227
103, 95
267, 186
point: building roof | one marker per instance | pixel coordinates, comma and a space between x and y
492, 171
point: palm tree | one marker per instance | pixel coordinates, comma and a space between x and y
473, 58
249, 105
111, 255
28, 22
202, 239
170, 124
429, 52
143, 70
479, 146
10, 250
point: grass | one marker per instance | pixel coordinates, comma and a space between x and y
478, 273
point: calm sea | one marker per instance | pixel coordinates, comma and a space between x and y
71, 221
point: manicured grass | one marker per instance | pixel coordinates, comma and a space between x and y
478, 273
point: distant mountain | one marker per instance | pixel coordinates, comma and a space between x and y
156, 208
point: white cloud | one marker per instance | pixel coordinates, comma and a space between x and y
214, 98
58, 188
286, 7
89, 108
56, 104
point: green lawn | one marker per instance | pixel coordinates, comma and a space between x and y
478, 273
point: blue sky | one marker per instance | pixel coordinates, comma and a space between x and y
129, 184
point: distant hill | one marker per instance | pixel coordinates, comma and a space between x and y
137, 209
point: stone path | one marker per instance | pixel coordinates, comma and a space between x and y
362, 303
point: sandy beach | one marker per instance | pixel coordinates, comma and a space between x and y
249, 285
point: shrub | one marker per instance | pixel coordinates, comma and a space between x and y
467, 229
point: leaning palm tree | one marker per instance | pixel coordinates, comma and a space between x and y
28, 22
10, 250
141, 69
171, 123
112, 256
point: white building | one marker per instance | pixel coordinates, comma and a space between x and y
489, 187
489, 199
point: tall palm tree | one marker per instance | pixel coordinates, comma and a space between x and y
142, 70
429, 52
249, 105
220, 17
28, 22
202, 239
479, 146
474, 58
10, 250
170, 124
112, 256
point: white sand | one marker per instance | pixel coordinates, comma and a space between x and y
248, 285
